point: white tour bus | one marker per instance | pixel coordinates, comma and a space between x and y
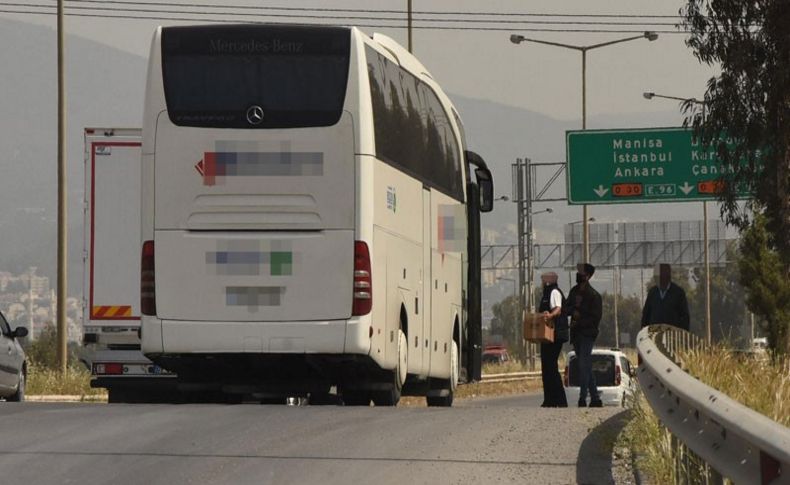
308, 217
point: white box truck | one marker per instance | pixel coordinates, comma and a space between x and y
111, 297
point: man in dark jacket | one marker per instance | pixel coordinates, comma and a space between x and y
666, 303
585, 308
551, 307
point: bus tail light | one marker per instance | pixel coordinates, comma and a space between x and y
147, 280
565, 376
363, 288
618, 376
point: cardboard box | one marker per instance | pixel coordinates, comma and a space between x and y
537, 329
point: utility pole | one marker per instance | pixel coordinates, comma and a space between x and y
518, 197
408, 6
530, 260
62, 213
616, 289
30, 304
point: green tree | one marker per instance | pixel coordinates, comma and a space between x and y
727, 300
767, 285
43, 350
727, 304
749, 100
629, 318
505, 322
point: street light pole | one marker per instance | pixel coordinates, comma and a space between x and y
584, 223
705, 244
517, 39
585, 226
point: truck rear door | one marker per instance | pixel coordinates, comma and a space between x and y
112, 232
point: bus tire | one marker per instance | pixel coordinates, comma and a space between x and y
403, 359
391, 397
356, 398
449, 385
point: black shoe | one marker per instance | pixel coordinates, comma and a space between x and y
582, 403
596, 404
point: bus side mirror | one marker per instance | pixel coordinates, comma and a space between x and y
19, 332
484, 180
486, 190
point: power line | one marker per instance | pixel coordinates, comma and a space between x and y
333, 17
377, 26
380, 11
200, 16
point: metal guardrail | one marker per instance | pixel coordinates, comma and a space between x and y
737, 442
510, 377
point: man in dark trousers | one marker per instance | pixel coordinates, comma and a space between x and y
585, 307
551, 307
666, 303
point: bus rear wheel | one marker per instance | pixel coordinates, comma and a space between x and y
447, 387
356, 398
391, 396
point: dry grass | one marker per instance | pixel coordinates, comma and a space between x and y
481, 389
484, 389
756, 382
648, 441
510, 366
75, 382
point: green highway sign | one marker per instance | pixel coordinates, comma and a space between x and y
640, 165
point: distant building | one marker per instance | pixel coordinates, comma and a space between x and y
39, 285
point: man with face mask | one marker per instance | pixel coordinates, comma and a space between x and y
666, 303
585, 308
551, 307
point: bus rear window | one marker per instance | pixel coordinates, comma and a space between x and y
255, 76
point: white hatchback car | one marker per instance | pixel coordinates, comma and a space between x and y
614, 377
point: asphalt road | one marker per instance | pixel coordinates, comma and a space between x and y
506, 440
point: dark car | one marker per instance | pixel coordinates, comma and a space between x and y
13, 371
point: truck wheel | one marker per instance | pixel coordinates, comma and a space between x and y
117, 396
19, 395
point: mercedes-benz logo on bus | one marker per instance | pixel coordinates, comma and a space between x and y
255, 115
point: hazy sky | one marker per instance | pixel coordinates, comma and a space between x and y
484, 64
